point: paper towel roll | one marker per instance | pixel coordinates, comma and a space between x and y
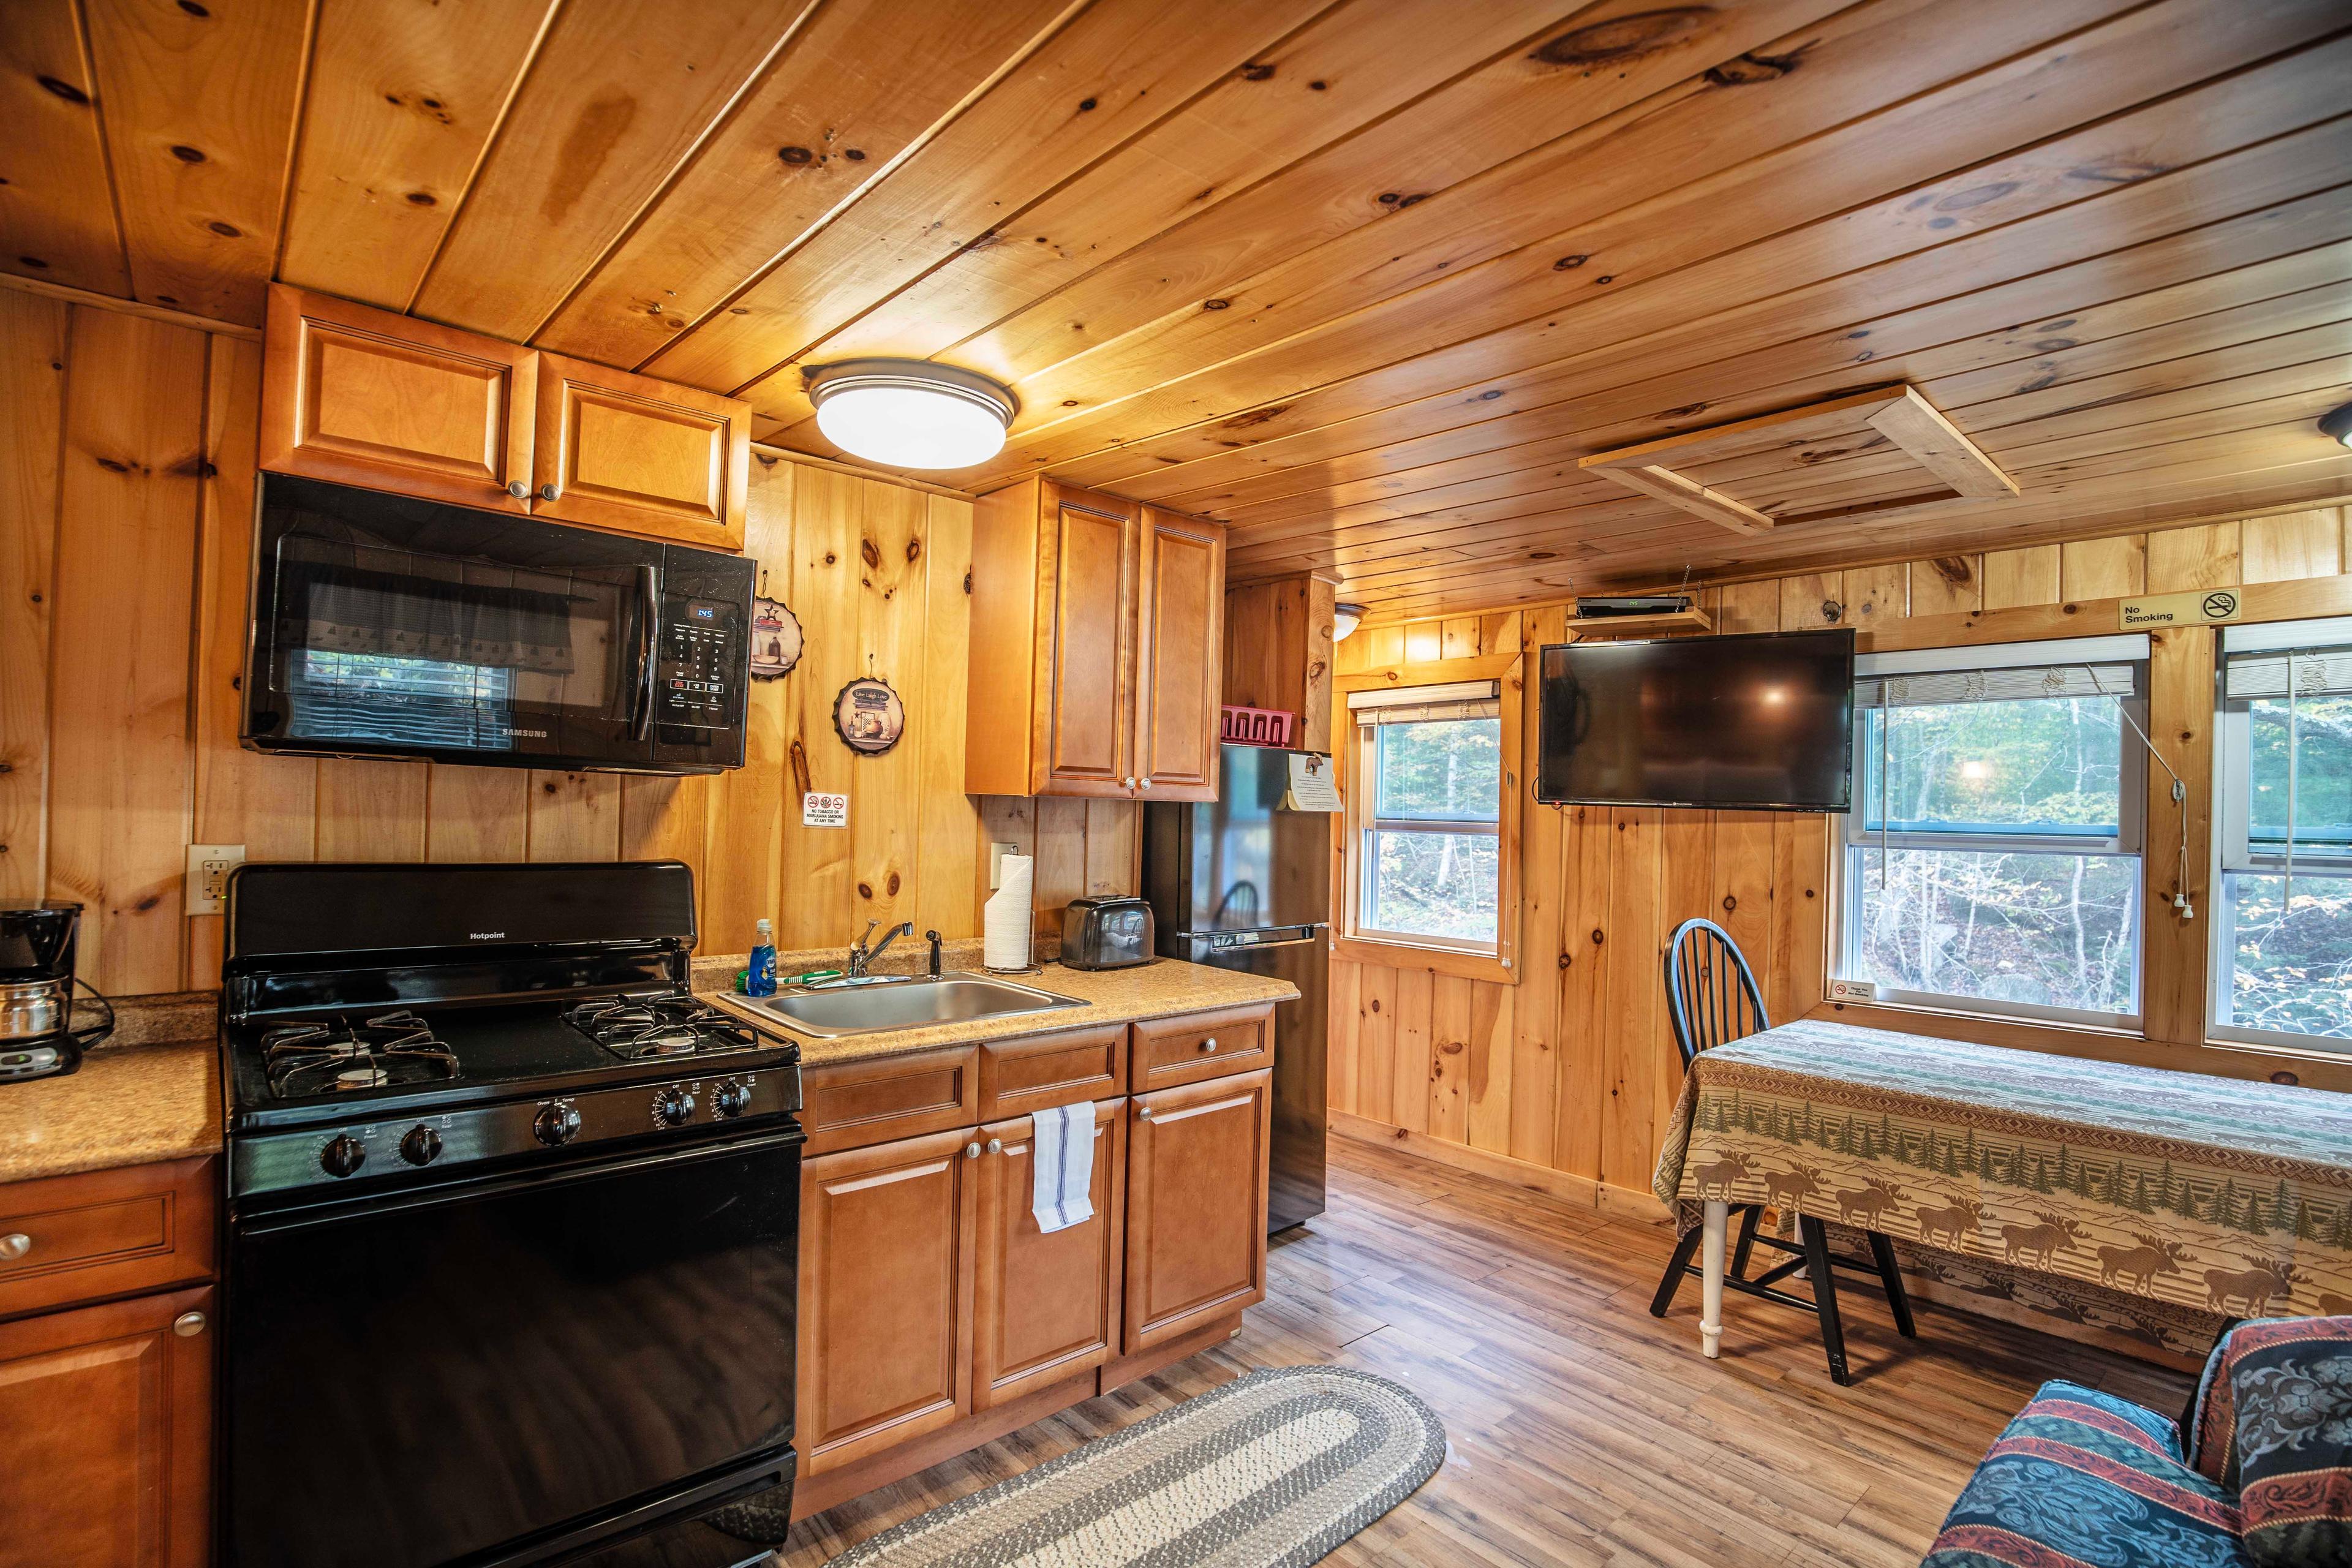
1008, 918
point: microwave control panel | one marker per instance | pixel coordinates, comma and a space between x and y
701, 668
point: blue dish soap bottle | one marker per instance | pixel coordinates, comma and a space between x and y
761, 981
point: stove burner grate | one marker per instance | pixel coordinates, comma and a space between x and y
634, 1028
341, 1056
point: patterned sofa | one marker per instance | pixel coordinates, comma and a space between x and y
2084, 1480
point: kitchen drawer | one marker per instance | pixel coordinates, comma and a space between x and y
1017, 1076
848, 1105
107, 1233
1199, 1046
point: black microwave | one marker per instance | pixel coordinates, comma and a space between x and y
388, 626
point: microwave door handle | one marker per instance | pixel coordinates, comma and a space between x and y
641, 707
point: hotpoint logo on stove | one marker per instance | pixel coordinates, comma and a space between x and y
486, 935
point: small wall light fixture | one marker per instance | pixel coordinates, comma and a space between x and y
2337, 423
1345, 618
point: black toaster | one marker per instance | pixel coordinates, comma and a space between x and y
1106, 933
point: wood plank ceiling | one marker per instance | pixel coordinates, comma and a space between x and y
1365, 278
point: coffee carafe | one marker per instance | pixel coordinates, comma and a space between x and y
37, 1038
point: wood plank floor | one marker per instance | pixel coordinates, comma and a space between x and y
1583, 1430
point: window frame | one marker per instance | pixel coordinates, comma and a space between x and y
1351, 939
2233, 853
2128, 843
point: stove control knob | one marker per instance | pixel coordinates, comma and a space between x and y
420, 1146
673, 1107
343, 1155
558, 1122
731, 1099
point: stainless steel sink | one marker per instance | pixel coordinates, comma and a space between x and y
880, 1002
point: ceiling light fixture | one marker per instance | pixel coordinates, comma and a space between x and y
910, 413
1345, 618
2337, 423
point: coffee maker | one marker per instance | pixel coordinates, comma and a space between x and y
37, 1038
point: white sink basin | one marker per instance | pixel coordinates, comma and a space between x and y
875, 1002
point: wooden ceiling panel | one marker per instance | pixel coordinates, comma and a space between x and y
1367, 279
198, 105
861, 86
618, 96
405, 97
56, 220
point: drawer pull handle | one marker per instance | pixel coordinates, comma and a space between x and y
971, 1151
996, 1145
15, 1245
188, 1325
1209, 1043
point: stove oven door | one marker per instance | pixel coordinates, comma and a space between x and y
428, 1378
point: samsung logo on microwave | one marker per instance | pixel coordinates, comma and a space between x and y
534, 735
486, 935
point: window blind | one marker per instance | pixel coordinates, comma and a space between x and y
2315, 657
1936, 688
1425, 704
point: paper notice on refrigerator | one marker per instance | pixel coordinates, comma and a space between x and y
1313, 784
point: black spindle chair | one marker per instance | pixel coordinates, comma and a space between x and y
1711, 998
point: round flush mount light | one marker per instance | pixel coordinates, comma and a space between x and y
910, 413
1345, 618
2337, 423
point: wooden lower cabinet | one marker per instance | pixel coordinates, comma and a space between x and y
105, 1435
1046, 1306
1196, 1180
885, 1296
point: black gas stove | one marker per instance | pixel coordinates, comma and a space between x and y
514, 1221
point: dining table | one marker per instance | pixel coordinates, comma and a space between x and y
2224, 1196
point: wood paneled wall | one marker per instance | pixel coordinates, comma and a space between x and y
127, 473
1573, 1071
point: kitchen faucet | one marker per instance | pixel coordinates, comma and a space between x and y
860, 955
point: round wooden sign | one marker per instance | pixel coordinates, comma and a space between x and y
776, 639
868, 716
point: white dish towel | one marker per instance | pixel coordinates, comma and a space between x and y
1062, 1156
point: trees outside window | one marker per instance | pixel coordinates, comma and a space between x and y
2283, 795
1430, 867
1992, 863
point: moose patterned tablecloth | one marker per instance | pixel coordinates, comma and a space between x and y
2213, 1194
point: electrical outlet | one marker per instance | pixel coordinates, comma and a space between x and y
1853, 991
208, 868
996, 854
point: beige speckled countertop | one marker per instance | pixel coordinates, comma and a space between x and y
127, 1105
1160, 990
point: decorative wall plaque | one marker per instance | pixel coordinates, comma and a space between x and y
776, 640
868, 716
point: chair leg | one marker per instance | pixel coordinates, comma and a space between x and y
1890, 1274
1817, 1265
1665, 1299
1750, 1218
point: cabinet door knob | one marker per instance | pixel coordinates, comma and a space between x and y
971, 1151
15, 1245
1128, 782
996, 1145
546, 492
1147, 783
188, 1325
1209, 1043
518, 489
1143, 1112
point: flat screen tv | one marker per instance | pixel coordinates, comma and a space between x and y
1761, 722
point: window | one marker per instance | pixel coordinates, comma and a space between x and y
1992, 861
2283, 815
1429, 784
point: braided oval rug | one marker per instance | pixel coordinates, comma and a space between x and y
1272, 1470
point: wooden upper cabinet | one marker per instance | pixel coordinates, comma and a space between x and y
1046, 1306
365, 397
1097, 639
1180, 638
885, 1296
1196, 1175
106, 1431
629, 453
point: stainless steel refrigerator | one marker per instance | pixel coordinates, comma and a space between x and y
1240, 883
